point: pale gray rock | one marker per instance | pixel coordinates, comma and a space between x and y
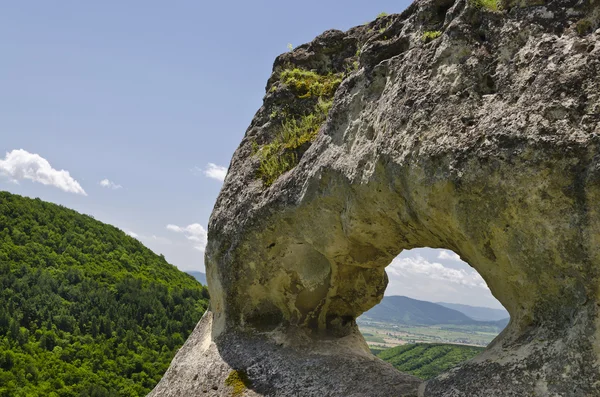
280, 363
484, 141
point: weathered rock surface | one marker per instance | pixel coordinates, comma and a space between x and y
484, 140
280, 364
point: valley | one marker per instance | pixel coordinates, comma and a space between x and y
386, 335
399, 320
427, 360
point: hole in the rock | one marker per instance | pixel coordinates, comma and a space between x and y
436, 313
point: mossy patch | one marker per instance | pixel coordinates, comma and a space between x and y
584, 26
306, 84
491, 5
281, 155
239, 381
296, 133
430, 35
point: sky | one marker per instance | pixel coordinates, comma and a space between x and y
131, 111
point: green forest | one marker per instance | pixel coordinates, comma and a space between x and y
85, 310
427, 360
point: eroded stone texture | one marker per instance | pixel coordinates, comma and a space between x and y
280, 363
484, 141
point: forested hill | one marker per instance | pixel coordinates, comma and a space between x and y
85, 310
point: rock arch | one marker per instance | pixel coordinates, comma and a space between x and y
482, 140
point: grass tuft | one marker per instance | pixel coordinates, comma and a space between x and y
308, 84
295, 134
430, 35
491, 5
280, 155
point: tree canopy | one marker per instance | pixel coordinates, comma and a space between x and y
85, 310
427, 360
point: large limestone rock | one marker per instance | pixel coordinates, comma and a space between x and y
482, 139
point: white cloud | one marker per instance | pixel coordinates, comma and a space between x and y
20, 164
449, 255
418, 266
149, 239
109, 184
194, 232
415, 273
215, 172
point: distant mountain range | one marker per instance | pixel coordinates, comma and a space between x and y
478, 313
408, 311
201, 277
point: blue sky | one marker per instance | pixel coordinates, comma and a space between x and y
144, 95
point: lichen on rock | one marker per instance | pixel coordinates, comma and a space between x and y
238, 381
483, 140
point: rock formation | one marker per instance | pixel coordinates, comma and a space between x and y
468, 125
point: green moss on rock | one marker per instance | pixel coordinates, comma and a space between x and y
238, 381
308, 84
491, 5
295, 134
282, 154
584, 26
430, 35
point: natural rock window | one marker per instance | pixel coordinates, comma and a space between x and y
482, 140
437, 312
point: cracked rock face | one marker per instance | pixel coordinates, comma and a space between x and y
483, 140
